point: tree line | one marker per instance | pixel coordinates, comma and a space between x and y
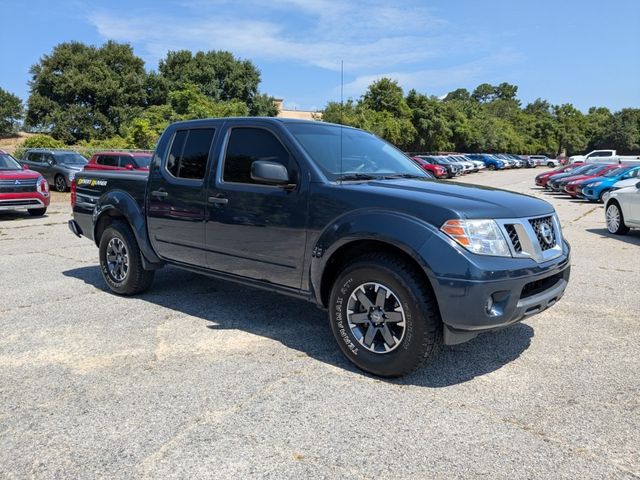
103, 97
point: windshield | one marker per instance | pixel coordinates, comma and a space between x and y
616, 171
70, 159
363, 154
7, 162
143, 160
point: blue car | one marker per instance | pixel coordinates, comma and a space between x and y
492, 163
595, 188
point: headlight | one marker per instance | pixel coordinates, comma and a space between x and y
595, 184
72, 175
478, 236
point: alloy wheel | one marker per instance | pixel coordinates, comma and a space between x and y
61, 185
613, 218
376, 317
117, 259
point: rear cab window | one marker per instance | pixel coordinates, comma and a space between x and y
189, 153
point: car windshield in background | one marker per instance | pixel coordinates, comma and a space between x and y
616, 171
70, 159
143, 160
7, 162
364, 156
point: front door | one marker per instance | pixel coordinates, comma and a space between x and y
177, 197
256, 230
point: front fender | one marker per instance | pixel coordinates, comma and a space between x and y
396, 229
121, 203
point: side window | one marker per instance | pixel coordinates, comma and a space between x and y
108, 160
35, 157
189, 153
125, 161
246, 145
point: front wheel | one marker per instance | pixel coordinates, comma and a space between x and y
602, 194
121, 261
37, 212
615, 220
550, 165
384, 316
60, 183
491, 167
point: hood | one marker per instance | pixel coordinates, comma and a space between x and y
431, 198
630, 182
18, 174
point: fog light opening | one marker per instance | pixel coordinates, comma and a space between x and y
488, 305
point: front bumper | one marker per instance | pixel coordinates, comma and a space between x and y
23, 201
518, 289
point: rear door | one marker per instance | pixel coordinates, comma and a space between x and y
176, 197
254, 229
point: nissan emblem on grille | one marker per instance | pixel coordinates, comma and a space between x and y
546, 233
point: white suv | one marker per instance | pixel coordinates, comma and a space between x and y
622, 210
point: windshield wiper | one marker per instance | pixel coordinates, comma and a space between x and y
357, 176
405, 175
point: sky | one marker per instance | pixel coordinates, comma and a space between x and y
567, 51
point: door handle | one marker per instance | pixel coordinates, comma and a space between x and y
218, 200
159, 194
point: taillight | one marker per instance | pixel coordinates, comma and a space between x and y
42, 186
73, 193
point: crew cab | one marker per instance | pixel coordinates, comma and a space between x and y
119, 161
604, 156
334, 215
22, 189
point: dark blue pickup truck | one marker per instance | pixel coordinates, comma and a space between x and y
334, 215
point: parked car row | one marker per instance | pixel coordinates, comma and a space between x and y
450, 165
60, 167
617, 185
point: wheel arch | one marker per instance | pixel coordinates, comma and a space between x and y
367, 232
118, 205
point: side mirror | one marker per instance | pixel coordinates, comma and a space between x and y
129, 166
25, 166
271, 173
51, 162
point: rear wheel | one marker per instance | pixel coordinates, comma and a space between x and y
60, 183
383, 316
615, 220
121, 261
37, 212
550, 165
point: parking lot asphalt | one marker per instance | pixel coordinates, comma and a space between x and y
199, 378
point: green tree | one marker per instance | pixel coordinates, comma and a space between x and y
432, 125
217, 74
81, 92
10, 112
484, 93
569, 129
623, 133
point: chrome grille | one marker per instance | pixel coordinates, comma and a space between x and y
513, 236
545, 232
18, 186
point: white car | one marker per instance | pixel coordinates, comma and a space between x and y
622, 209
544, 160
630, 182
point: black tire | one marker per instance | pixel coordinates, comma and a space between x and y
60, 183
491, 167
550, 164
602, 194
618, 227
421, 335
37, 212
135, 279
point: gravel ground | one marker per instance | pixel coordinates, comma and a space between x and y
204, 379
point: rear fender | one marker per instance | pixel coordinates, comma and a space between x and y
118, 203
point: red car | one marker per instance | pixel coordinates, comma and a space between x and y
119, 161
21, 188
435, 170
543, 178
574, 182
